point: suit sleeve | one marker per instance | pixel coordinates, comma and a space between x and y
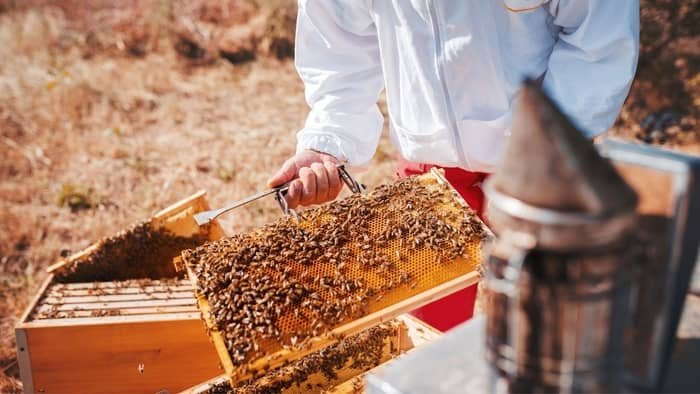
593, 63
337, 57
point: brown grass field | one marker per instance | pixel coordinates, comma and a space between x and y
102, 123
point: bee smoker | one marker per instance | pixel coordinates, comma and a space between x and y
579, 258
560, 277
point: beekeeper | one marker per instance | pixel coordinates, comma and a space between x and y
451, 70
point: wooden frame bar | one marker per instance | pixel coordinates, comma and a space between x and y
412, 334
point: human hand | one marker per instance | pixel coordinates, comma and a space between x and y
315, 176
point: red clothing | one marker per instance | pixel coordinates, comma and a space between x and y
458, 307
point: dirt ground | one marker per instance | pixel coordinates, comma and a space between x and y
100, 128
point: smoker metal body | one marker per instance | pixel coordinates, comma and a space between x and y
560, 277
557, 298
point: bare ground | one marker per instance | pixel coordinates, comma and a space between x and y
98, 131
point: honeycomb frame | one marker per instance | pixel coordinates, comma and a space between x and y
434, 279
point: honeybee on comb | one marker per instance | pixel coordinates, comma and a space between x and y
140, 251
360, 352
303, 277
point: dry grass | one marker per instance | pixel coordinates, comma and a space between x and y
138, 132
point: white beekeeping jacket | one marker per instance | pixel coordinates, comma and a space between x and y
452, 68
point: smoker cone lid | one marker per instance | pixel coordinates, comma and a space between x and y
552, 183
550, 164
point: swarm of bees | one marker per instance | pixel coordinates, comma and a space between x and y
359, 352
298, 278
134, 253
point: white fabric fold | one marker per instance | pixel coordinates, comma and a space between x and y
452, 70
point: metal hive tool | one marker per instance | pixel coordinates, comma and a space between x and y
420, 275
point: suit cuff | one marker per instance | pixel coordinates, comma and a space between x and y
331, 144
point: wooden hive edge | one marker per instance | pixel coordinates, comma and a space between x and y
109, 320
416, 332
22, 349
35, 301
428, 334
408, 327
196, 200
214, 334
202, 387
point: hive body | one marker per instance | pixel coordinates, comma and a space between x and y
116, 318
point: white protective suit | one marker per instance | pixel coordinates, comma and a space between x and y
452, 68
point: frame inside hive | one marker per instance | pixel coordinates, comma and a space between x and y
431, 279
407, 334
156, 242
120, 298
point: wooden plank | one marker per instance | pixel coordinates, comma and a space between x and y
179, 218
416, 332
109, 320
125, 312
116, 305
173, 209
74, 257
118, 298
149, 284
52, 292
106, 358
25, 365
203, 387
355, 385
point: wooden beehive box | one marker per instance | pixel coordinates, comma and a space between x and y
410, 333
114, 329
